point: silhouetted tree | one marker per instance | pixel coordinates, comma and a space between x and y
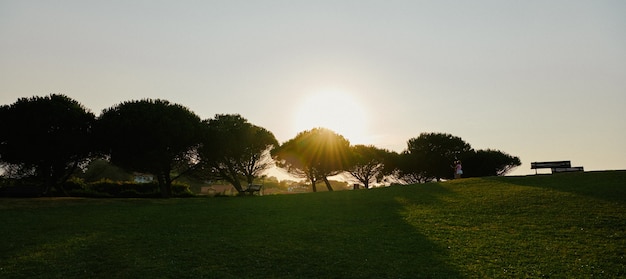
488, 163
409, 169
315, 155
368, 163
46, 137
152, 136
432, 154
234, 149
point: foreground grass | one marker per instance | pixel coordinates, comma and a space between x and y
559, 226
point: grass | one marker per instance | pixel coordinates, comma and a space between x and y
560, 226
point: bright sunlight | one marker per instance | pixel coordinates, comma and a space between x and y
334, 110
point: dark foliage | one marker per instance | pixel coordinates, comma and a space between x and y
315, 155
369, 164
430, 156
127, 189
46, 138
152, 136
488, 163
235, 150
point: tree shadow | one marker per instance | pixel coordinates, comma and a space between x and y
604, 185
397, 245
415, 213
370, 238
323, 235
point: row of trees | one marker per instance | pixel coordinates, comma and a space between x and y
50, 138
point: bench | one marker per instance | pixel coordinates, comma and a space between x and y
570, 169
555, 166
253, 188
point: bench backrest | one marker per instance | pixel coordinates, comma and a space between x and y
550, 165
254, 187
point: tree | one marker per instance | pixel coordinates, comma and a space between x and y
489, 163
433, 153
234, 149
315, 155
152, 136
45, 137
409, 169
368, 163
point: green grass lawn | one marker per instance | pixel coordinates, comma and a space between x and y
560, 226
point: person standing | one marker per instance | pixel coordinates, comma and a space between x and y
458, 169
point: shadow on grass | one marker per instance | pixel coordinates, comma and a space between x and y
352, 234
413, 210
340, 235
605, 185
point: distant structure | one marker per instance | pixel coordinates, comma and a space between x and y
143, 178
555, 166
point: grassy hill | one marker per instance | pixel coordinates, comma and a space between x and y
569, 225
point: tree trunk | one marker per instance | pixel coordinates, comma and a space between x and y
45, 173
330, 188
65, 175
168, 184
249, 179
47, 186
237, 184
165, 185
313, 180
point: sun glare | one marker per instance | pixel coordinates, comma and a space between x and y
334, 110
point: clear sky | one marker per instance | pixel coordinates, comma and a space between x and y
541, 80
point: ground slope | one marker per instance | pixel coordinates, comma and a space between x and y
566, 226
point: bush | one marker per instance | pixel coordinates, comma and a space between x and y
19, 188
18, 182
129, 189
88, 193
104, 188
181, 190
124, 189
74, 184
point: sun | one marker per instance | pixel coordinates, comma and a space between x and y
335, 110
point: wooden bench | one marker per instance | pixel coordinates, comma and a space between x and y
253, 188
570, 169
555, 166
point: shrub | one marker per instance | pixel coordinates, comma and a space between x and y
181, 190
124, 188
74, 184
105, 186
129, 189
88, 193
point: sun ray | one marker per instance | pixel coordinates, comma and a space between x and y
334, 110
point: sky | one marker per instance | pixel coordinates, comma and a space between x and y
541, 80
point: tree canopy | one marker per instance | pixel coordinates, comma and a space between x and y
315, 155
152, 136
234, 149
45, 137
49, 137
432, 154
488, 162
369, 163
